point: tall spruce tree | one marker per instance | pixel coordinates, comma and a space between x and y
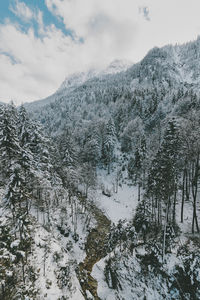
109, 143
9, 141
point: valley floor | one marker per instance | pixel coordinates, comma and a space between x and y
70, 256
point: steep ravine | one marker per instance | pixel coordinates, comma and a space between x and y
95, 250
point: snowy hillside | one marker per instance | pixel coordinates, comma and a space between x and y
78, 79
99, 189
75, 80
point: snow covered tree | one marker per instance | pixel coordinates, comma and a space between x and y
109, 143
190, 156
17, 196
67, 148
24, 127
88, 177
9, 142
91, 151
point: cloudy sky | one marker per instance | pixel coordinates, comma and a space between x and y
42, 41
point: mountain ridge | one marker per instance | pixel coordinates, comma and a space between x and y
168, 65
112, 180
75, 80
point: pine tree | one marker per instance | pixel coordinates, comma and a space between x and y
17, 194
9, 142
109, 143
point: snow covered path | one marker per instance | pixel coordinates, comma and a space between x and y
122, 200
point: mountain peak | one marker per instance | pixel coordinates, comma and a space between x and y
76, 79
117, 66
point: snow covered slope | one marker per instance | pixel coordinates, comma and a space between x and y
75, 80
124, 145
78, 79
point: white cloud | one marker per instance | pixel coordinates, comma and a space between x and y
81, 16
108, 26
171, 21
21, 10
109, 29
41, 62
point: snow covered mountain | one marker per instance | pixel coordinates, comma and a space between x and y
101, 201
75, 80
170, 66
78, 79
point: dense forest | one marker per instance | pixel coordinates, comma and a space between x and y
139, 130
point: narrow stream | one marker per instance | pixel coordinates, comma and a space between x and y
95, 250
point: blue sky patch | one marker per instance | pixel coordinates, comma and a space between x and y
48, 18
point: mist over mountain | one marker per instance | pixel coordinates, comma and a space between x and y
74, 80
168, 67
100, 184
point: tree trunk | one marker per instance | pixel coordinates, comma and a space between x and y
187, 185
183, 195
159, 212
195, 171
138, 191
165, 228
174, 206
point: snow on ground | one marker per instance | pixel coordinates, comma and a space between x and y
120, 204
61, 217
104, 292
77, 251
136, 282
132, 287
64, 244
186, 226
55, 272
